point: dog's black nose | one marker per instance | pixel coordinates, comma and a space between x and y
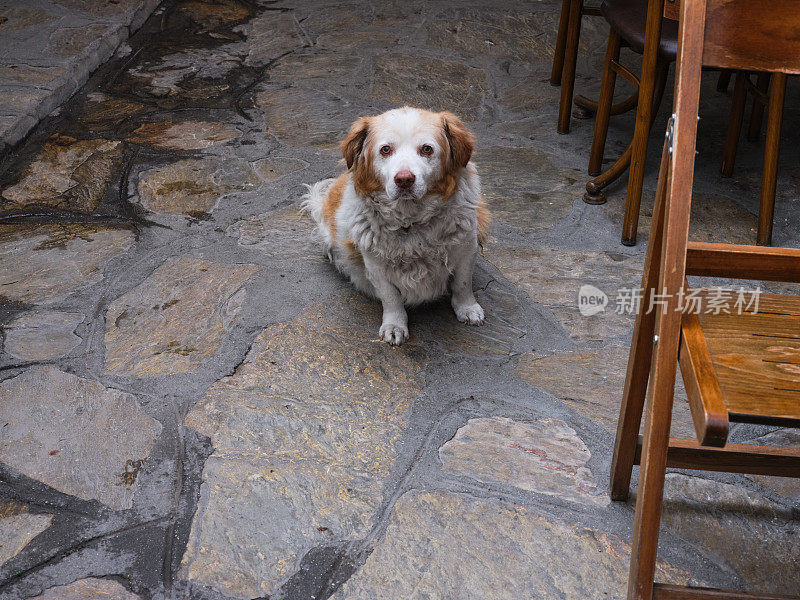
404, 179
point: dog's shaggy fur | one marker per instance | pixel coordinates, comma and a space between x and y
405, 221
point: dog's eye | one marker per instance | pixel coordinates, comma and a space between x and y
386, 150
426, 150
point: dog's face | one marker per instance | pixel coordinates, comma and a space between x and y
407, 153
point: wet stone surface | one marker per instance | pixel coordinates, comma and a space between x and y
553, 278
740, 529
18, 527
49, 49
185, 135
175, 319
68, 174
193, 186
317, 120
43, 264
442, 544
526, 190
429, 83
195, 404
90, 588
308, 424
545, 456
69, 437
44, 335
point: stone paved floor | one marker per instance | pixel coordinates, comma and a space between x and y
193, 403
48, 48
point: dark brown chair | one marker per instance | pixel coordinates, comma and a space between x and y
628, 21
729, 363
771, 97
565, 58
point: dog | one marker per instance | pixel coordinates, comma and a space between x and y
405, 221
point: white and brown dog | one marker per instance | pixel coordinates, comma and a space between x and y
405, 221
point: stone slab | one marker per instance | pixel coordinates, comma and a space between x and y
67, 174
194, 186
175, 319
41, 335
739, 528
90, 588
18, 527
44, 263
430, 83
523, 187
75, 435
51, 48
544, 456
184, 135
450, 545
553, 277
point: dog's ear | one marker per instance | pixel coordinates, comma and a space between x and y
459, 138
353, 144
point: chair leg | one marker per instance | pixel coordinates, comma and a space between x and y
667, 321
757, 112
570, 61
734, 124
653, 467
724, 80
594, 187
641, 354
652, 89
643, 121
771, 151
604, 104
561, 43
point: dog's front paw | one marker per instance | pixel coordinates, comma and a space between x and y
472, 314
393, 334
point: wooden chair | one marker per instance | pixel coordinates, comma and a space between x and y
764, 95
565, 57
728, 362
632, 23
658, 50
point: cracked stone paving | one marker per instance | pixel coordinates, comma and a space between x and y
194, 404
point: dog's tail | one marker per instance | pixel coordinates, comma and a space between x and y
484, 220
312, 203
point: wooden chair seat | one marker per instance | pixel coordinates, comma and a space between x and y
742, 367
629, 19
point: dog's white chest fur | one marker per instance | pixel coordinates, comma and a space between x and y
417, 245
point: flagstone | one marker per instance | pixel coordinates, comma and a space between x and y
541, 455
75, 435
452, 545
176, 318
67, 174
41, 335
41, 264
18, 526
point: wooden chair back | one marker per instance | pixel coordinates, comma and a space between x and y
736, 32
728, 34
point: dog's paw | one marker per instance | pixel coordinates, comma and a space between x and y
471, 314
393, 334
